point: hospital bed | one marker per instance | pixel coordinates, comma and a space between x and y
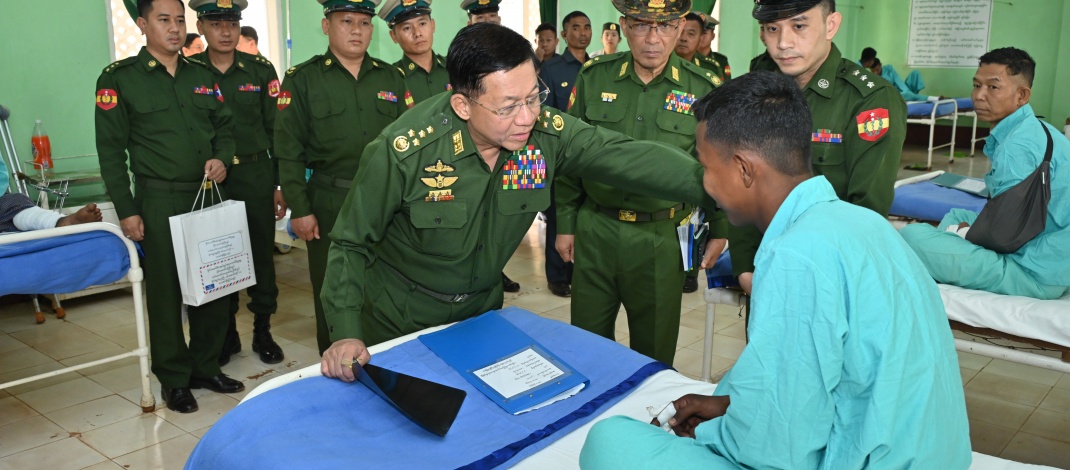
72, 258
929, 113
557, 448
965, 106
1042, 323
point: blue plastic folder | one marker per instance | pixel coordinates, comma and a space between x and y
508, 366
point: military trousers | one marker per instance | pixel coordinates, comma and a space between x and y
636, 264
251, 183
326, 202
953, 260
557, 270
173, 360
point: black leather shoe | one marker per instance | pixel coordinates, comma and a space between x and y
509, 285
690, 284
263, 343
179, 399
219, 384
560, 289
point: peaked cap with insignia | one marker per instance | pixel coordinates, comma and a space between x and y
356, 6
478, 7
398, 11
221, 10
773, 10
653, 10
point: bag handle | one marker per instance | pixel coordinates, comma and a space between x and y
200, 194
1048, 152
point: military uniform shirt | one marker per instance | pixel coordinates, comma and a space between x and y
559, 76
609, 94
326, 118
421, 83
709, 64
722, 60
250, 88
169, 135
425, 202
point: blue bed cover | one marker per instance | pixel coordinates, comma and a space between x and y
930, 202
60, 265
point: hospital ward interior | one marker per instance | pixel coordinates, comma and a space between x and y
793, 260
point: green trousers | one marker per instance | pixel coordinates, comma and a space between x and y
621, 443
953, 260
252, 183
635, 264
326, 203
173, 361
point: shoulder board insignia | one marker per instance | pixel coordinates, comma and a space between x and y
588, 63
559, 123
291, 70
623, 69
458, 143
401, 144
676, 74
716, 80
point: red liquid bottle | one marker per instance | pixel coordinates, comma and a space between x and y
42, 148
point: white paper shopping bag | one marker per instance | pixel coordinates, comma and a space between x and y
212, 251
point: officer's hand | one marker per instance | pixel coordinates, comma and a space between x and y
693, 410
343, 359
566, 245
280, 205
133, 227
215, 170
714, 248
306, 228
746, 280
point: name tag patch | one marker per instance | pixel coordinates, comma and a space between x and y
526, 169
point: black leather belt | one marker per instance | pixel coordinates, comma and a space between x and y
164, 185
256, 157
625, 215
448, 298
331, 181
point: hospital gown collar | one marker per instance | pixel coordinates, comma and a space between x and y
1000, 131
807, 194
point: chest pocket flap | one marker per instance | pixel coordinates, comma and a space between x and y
824, 153
441, 214
605, 112
324, 108
521, 201
677, 123
148, 104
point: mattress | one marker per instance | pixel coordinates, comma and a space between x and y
1045, 320
928, 201
63, 264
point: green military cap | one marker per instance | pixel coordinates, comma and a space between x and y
653, 10
397, 11
708, 22
356, 6
478, 7
225, 10
773, 10
611, 27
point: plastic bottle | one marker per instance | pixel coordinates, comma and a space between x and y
42, 148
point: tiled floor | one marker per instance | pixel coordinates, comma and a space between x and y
91, 419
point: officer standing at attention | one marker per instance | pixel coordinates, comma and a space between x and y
687, 46
859, 118
610, 40
166, 111
558, 76
626, 247
705, 45
412, 28
329, 108
251, 87
445, 194
482, 11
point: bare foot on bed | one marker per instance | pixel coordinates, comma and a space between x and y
87, 214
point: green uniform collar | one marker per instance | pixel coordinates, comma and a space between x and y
147, 60
329, 60
674, 69
826, 75
408, 66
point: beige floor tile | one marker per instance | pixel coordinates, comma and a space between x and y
28, 434
211, 408
105, 465
133, 395
62, 340
199, 434
723, 346
19, 317
169, 454
540, 301
12, 409
1009, 389
64, 454
122, 378
37, 384
690, 338
1049, 424
104, 321
7, 343
688, 361
295, 330
1064, 381
22, 358
64, 394
1037, 450
967, 375
102, 353
94, 414
1058, 400
736, 330
563, 313
1023, 372
986, 409
988, 438
132, 434
972, 361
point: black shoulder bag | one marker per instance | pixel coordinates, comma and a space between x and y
1017, 215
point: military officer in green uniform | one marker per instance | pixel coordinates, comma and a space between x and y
167, 113
859, 118
329, 109
251, 87
412, 28
687, 46
624, 245
705, 45
482, 11
444, 196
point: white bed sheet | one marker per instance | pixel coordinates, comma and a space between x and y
1045, 320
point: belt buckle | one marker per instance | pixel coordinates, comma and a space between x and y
672, 212
459, 298
236, 160
626, 216
207, 185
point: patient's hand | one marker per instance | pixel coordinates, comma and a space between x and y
693, 410
341, 360
714, 248
566, 246
746, 281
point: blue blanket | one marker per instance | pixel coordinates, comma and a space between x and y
930, 202
60, 265
924, 110
325, 423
